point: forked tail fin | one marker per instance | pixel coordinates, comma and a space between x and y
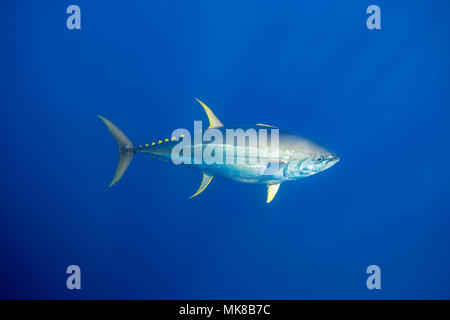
126, 149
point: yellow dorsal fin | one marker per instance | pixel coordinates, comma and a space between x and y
214, 122
272, 191
205, 181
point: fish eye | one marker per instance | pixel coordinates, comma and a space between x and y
318, 158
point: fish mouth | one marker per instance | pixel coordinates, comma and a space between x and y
332, 160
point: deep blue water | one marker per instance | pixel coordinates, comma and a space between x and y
379, 98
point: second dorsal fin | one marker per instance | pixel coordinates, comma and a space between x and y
214, 122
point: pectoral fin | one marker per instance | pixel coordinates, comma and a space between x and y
214, 122
205, 181
272, 191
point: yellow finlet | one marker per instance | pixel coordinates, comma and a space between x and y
153, 143
166, 140
159, 142
146, 144
214, 122
272, 191
205, 181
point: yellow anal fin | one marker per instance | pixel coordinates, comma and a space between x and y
272, 190
214, 122
205, 181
